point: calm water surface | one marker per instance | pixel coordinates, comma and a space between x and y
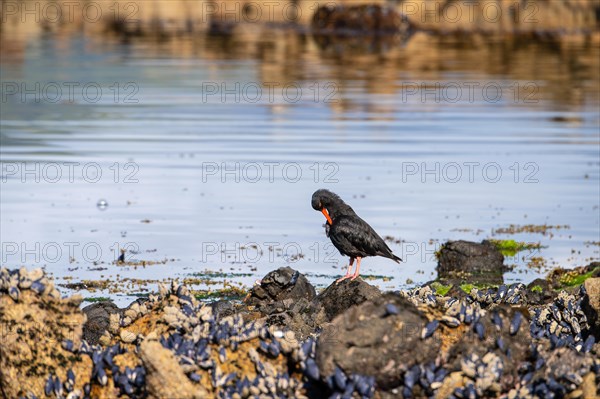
428, 140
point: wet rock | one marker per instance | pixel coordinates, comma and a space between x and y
338, 298
286, 299
475, 262
368, 340
278, 285
539, 291
306, 317
165, 378
98, 320
591, 305
302, 317
456, 292
222, 309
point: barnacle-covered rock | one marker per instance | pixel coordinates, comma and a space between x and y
490, 342
164, 376
101, 317
40, 331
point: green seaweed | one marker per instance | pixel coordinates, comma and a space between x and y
363, 276
570, 280
536, 288
212, 274
230, 293
442, 289
439, 288
467, 287
96, 299
512, 247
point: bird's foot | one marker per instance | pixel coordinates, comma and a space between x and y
354, 276
339, 280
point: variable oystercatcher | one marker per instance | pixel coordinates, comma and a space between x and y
351, 235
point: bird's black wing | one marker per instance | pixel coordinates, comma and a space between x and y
352, 235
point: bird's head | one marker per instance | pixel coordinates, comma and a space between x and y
330, 204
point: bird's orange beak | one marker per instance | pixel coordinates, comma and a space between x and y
326, 214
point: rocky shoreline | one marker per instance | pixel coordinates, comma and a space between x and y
285, 340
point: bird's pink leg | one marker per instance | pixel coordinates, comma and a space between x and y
355, 275
348, 275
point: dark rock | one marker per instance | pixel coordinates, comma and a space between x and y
367, 340
279, 285
305, 317
222, 309
480, 263
535, 296
456, 292
337, 298
98, 320
302, 317
286, 298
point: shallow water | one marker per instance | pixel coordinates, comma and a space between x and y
412, 136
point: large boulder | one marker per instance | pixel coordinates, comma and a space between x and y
282, 284
380, 338
477, 262
287, 299
539, 292
339, 297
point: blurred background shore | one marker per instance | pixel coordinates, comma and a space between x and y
431, 36
559, 19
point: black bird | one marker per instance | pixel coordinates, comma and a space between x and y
351, 235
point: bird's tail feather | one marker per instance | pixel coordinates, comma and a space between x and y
395, 258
